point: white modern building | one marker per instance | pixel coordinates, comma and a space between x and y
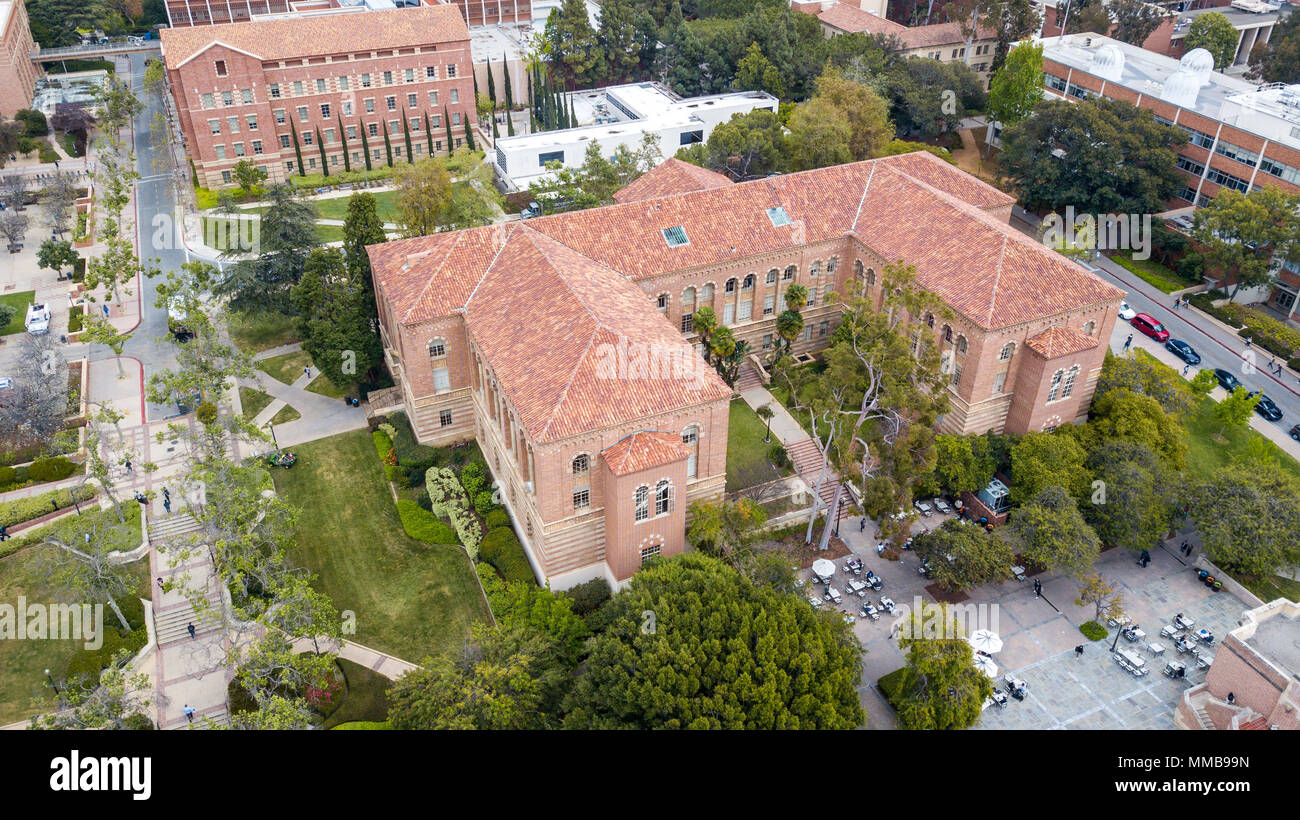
621, 115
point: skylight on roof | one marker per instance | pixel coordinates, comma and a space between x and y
675, 236
778, 216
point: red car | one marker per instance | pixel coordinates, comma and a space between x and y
1148, 325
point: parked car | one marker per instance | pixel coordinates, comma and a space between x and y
1148, 325
1227, 381
1266, 407
1183, 351
1126, 312
1294, 432
38, 319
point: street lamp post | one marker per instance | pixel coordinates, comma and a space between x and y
273, 441
52, 683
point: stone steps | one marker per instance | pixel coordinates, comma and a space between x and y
171, 626
172, 527
748, 378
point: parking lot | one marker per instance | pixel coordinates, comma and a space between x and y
1039, 636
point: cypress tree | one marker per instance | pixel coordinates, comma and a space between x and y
343, 136
496, 135
428, 133
388, 146
324, 161
469, 135
406, 135
446, 120
365, 146
510, 97
492, 87
573, 120
297, 149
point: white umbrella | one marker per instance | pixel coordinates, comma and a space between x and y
986, 665
985, 640
823, 568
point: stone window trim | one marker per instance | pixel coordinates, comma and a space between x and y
1007, 352
581, 464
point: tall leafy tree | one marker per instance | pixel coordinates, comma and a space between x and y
755, 72
406, 138
1042, 460
1247, 515
297, 149
286, 235
747, 146
939, 686
1215, 33
1135, 20
616, 40
324, 160
334, 317
1052, 533
423, 193
963, 463
365, 146
1132, 506
1018, 85
388, 145
1099, 155
794, 670
573, 49
1244, 237
1278, 60
962, 555
362, 227
343, 137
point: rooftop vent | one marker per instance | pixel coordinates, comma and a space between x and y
675, 236
778, 216
1181, 88
1200, 62
1108, 63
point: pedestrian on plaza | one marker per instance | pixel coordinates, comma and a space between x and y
1186, 367
4, 533
306, 371
56, 164
190, 629
1128, 342
105, 309
862, 525
1176, 302
1038, 588
167, 503
128, 466
189, 712
1078, 651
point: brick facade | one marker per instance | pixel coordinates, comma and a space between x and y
17, 71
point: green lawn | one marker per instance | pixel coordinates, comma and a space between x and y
747, 462
253, 401
323, 386
286, 368
219, 236
1206, 455
257, 332
285, 415
23, 663
366, 699
1151, 272
410, 599
19, 302
1269, 589
337, 207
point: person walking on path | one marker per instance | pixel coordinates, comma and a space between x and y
1176, 302
128, 466
862, 525
167, 501
1185, 369
1248, 343
4, 533
190, 629
160, 584
189, 712
1078, 651
1128, 342
306, 371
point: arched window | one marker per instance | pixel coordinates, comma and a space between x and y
1054, 391
642, 510
961, 345
857, 268
789, 272
871, 277
1008, 350
437, 348
581, 464
663, 494
832, 264
730, 286
691, 438
1069, 382
706, 293
929, 320
947, 334
748, 284
688, 297
816, 268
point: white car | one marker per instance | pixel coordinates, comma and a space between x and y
38, 319
923, 506
1126, 312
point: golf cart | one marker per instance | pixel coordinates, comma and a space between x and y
281, 458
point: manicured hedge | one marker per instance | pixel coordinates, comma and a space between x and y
496, 518
423, 525
483, 503
888, 684
25, 509
502, 550
1093, 631
38, 472
589, 597
387, 455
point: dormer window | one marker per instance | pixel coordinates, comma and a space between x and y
778, 216
221, 68
675, 236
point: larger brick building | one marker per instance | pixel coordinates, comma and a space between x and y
17, 71
338, 78
564, 344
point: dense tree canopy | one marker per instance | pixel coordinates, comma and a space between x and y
1278, 60
1248, 516
1243, 236
1050, 532
962, 555
1133, 505
692, 644
1215, 33
940, 687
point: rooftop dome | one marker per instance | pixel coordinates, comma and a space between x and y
1181, 88
1200, 62
1108, 62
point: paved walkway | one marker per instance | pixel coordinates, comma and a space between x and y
322, 416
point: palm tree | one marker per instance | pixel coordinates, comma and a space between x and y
705, 322
765, 412
788, 327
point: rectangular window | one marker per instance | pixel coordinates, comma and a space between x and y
252, 122
214, 126
550, 156
239, 149
823, 328
207, 101
676, 236
221, 151
302, 113
745, 308
370, 105
257, 146
247, 96
388, 78
221, 68
284, 140
329, 135
325, 111
1238, 153
1190, 166
688, 322
433, 98
391, 102
767, 342
412, 101
444, 418
311, 162
297, 88
373, 130
394, 126
431, 72
999, 381
956, 375
415, 123
343, 83
352, 132
306, 138
649, 552
437, 123
279, 116
275, 91
769, 303
225, 176
690, 137
227, 98
320, 85
410, 75
233, 123
441, 380
455, 120
347, 108
581, 498
455, 95
365, 80
728, 314
451, 70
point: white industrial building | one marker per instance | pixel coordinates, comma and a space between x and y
621, 115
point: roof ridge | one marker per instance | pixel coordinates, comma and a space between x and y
510, 229
432, 275
997, 278
863, 199
564, 394
564, 277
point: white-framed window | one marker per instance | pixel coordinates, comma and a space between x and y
999, 381
1054, 391
771, 276
688, 322
663, 497
581, 464
691, 438
441, 380
1008, 350
650, 552
956, 374
1068, 387
444, 418
581, 498
728, 313
769, 304
221, 68
789, 273
641, 504
744, 310
214, 126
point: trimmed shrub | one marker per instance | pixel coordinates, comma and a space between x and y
496, 518
423, 525
25, 509
467, 530
7, 476
388, 430
473, 478
1093, 631
1294, 364
888, 684
50, 469
483, 503
415, 475
589, 597
384, 447
1205, 303
502, 550
778, 456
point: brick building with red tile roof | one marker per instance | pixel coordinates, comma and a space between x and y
563, 344
248, 90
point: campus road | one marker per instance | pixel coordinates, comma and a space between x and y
1218, 347
154, 197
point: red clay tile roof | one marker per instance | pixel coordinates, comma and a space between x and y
1058, 341
1254, 724
334, 33
942, 34
576, 346
672, 176
854, 20
644, 449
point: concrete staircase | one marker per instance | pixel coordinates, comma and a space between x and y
748, 378
807, 459
172, 527
219, 715
172, 625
